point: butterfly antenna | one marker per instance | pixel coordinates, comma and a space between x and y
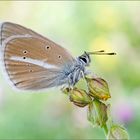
101, 52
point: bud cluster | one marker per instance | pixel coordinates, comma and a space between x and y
95, 98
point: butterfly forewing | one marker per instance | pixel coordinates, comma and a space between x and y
32, 62
11, 29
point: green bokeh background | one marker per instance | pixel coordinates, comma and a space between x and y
77, 26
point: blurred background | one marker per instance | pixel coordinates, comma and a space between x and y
77, 26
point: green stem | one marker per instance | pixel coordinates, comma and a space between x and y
105, 129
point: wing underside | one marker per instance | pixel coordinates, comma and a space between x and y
32, 62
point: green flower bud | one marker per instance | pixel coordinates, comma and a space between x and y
117, 132
98, 88
79, 97
97, 113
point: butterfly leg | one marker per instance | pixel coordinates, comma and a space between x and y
83, 76
67, 87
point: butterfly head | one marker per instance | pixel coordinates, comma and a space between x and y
85, 59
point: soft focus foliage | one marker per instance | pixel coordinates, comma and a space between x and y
77, 26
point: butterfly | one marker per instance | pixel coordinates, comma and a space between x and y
33, 62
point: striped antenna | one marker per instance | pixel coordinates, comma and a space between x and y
101, 52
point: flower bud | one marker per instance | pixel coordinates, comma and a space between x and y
98, 88
97, 113
79, 97
117, 132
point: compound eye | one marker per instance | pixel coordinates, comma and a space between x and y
83, 59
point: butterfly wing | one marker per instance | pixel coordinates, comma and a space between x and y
8, 29
33, 62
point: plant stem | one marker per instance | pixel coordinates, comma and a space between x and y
105, 129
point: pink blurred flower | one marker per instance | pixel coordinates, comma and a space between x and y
123, 111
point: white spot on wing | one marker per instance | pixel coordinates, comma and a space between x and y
35, 62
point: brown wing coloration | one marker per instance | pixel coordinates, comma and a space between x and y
8, 29
31, 62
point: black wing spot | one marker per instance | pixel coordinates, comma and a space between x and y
59, 56
24, 57
25, 51
31, 70
47, 47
